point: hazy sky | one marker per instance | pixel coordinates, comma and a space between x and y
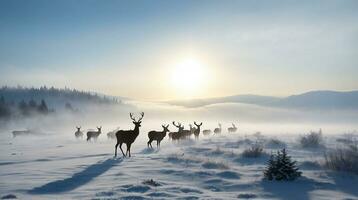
133, 48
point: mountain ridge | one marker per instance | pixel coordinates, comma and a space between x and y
317, 99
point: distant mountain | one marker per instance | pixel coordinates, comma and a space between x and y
322, 100
309, 100
248, 99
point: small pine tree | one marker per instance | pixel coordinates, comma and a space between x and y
281, 167
270, 170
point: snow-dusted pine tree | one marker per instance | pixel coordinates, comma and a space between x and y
281, 167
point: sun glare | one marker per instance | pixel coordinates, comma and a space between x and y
188, 75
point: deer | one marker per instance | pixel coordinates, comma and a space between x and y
128, 136
206, 132
179, 134
217, 130
94, 134
192, 129
157, 135
78, 133
232, 129
197, 129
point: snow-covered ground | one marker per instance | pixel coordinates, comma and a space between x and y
58, 166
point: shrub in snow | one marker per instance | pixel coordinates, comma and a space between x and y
349, 139
280, 167
343, 159
313, 139
253, 152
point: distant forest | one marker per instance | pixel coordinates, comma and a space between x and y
21, 101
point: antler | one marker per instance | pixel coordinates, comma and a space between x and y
142, 115
131, 116
178, 126
198, 124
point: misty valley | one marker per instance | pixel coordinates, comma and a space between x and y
63, 142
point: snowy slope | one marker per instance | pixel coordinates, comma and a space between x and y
61, 167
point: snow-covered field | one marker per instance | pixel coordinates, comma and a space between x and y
58, 166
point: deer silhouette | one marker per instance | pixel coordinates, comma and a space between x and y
217, 130
128, 136
157, 135
197, 129
232, 129
179, 134
192, 129
78, 133
94, 134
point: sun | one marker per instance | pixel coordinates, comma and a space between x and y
188, 75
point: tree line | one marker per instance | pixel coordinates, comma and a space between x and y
10, 109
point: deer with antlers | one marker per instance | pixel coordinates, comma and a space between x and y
232, 129
94, 134
179, 134
128, 136
157, 135
78, 133
197, 129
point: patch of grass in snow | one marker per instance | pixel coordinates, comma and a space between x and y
254, 151
343, 159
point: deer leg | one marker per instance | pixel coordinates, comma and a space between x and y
129, 149
120, 146
157, 143
150, 143
115, 150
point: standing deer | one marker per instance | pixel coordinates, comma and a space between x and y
179, 134
192, 129
217, 130
78, 133
128, 136
94, 134
197, 129
157, 135
232, 129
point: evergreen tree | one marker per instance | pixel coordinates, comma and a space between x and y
4, 108
281, 167
270, 170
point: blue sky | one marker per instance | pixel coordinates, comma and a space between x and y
129, 48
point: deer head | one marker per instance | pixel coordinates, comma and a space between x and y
198, 125
165, 128
137, 122
179, 126
99, 128
78, 128
233, 125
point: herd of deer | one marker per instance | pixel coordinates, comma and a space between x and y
129, 136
